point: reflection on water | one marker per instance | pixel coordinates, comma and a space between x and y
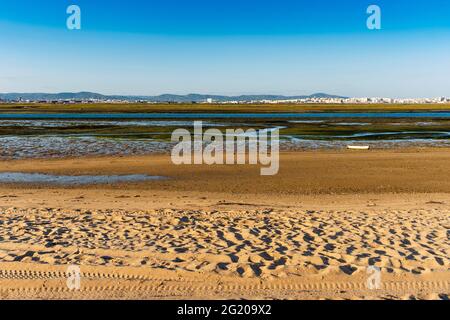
19, 177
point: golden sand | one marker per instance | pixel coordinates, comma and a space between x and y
226, 232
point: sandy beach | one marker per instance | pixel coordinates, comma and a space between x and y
224, 151
223, 232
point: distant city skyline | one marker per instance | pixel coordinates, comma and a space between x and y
286, 47
88, 97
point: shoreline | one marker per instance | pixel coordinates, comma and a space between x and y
320, 172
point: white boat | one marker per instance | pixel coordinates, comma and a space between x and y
358, 147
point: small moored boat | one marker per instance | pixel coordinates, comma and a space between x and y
358, 147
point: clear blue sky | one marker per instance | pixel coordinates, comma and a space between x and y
227, 47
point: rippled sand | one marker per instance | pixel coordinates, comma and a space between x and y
197, 235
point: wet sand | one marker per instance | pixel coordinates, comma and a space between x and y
309, 232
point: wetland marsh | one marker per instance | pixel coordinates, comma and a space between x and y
40, 135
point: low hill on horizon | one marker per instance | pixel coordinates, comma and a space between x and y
194, 97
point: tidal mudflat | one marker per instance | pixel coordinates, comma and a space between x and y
71, 134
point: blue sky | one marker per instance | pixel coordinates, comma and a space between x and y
226, 47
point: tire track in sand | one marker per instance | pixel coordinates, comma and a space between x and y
46, 282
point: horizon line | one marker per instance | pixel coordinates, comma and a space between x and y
222, 95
